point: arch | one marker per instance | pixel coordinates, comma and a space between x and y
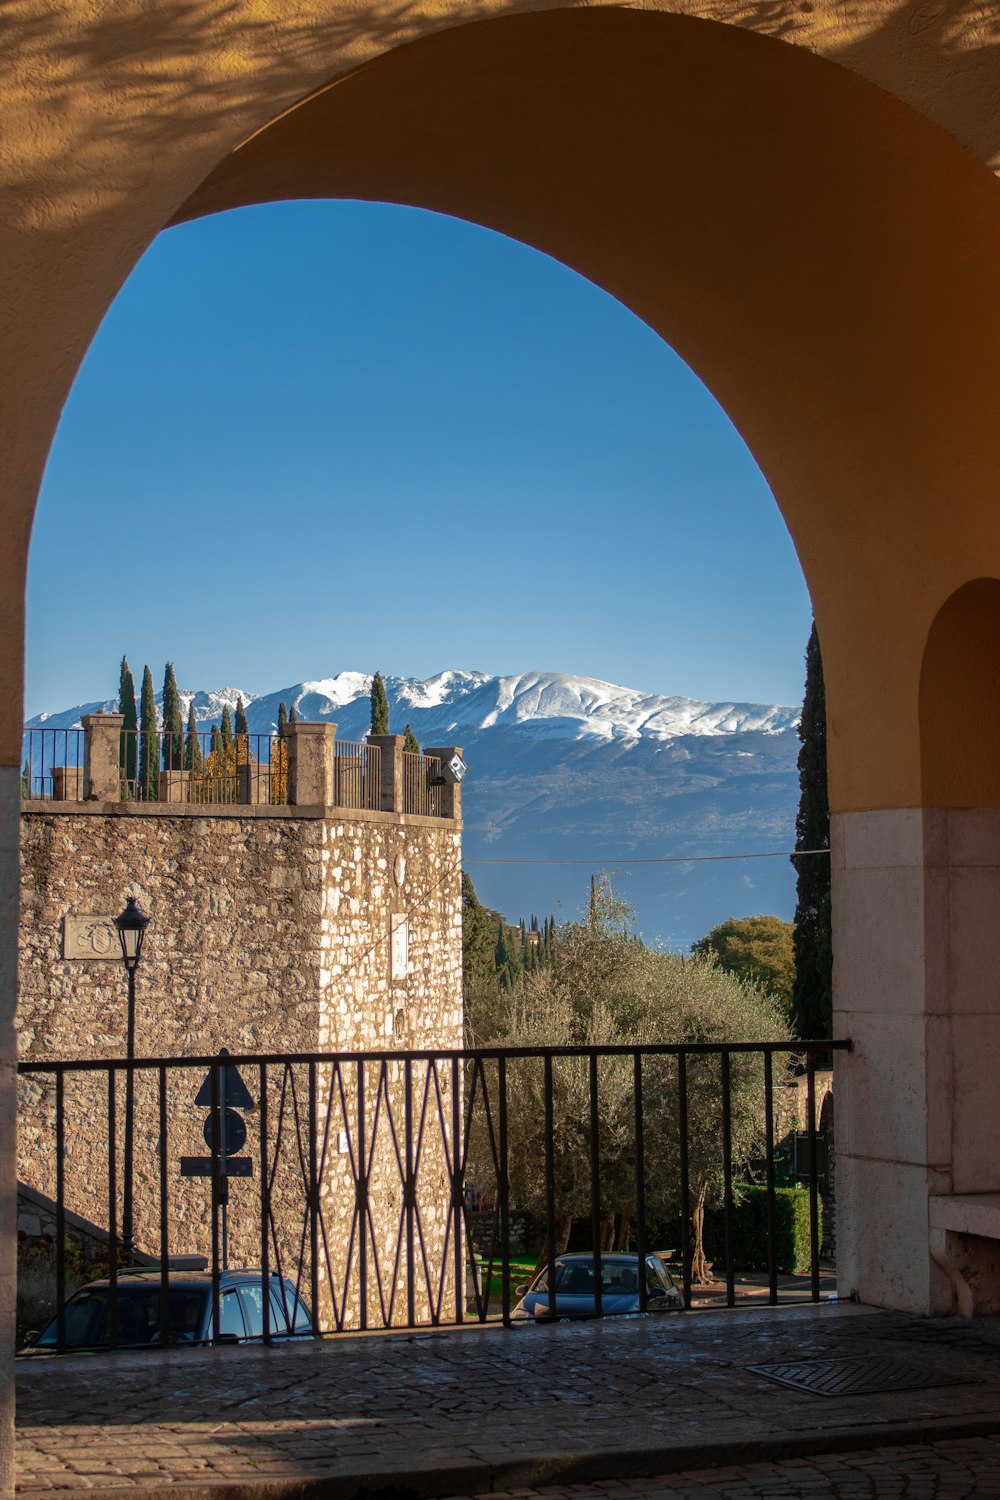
764, 209
959, 700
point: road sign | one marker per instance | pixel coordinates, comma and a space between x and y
232, 1090
234, 1134
201, 1166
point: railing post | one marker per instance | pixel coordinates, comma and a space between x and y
390, 792
101, 747
311, 764
451, 793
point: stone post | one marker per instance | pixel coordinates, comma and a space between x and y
101, 746
67, 784
311, 764
451, 793
390, 798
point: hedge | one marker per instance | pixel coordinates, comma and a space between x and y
791, 1230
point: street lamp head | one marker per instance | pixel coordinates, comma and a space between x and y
131, 926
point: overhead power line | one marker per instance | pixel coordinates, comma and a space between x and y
664, 859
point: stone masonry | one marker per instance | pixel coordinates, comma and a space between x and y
273, 929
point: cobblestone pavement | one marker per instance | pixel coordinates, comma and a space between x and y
951, 1470
462, 1412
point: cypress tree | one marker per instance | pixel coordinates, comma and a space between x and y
149, 754
128, 752
242, 735
282, 718
380, 706
812, 992
173, 734
215, 748
226, 732
192, 745
410, 742
293, 715
479, 970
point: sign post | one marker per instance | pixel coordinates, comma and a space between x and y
223, 1093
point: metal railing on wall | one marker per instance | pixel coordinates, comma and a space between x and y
358, 1174
52, 765
422, 784
357, 774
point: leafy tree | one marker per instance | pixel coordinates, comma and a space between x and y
149, 755
757, 949
173, 734
226, 732
506, 958
411, 745
380, 706
128, 752
812, 993
192, 745
609, 988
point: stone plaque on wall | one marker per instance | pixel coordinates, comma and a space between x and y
90, 937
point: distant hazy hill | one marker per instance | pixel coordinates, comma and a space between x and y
570, 768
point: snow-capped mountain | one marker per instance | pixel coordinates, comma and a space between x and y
459, 703
572, 769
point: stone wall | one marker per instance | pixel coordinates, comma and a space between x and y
271, 930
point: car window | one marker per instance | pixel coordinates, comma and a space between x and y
251, 1295
288, 1311
230, 1317
657, 1276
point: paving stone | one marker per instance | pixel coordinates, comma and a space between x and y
583, 1408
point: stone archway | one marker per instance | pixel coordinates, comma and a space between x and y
822, 253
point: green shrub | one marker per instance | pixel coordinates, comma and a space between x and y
791, 1231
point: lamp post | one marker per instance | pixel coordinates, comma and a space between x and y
131, 927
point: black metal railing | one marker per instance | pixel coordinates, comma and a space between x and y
359, 1175
422, 784
52, 765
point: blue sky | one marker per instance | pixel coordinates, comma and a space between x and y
320, 436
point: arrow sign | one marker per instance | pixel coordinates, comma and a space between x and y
232, 1090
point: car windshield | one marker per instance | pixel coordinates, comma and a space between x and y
88, 1321
576, 1277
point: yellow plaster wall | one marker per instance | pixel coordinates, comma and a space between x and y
760, 191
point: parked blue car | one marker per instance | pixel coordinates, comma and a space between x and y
241, 1310
575, 1294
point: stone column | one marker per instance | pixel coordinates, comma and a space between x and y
390, 771
916, 894
451, 792
10, 808
311, 764
101, 747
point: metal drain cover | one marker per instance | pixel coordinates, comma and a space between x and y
851, 1377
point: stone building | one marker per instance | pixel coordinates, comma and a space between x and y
276, 928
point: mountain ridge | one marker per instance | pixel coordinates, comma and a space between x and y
576, 770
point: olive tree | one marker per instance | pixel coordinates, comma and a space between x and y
608, 988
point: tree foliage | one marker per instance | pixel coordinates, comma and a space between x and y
607, 987
758, 949
411, 745
128, 752
380, 706
812, 993
192, 745
173, 733
149, 753
479, 975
